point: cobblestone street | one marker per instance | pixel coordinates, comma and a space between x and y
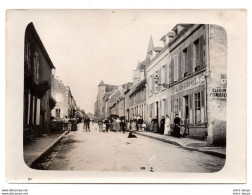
97, 151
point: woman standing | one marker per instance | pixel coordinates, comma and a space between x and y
133, 125
167, 125
155, 121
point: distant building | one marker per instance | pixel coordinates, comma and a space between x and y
37, 84
100, 104
60, 93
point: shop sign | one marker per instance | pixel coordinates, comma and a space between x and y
188, 84
219, 93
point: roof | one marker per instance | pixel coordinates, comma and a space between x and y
30, 27
140, 85
150, 47
101, 83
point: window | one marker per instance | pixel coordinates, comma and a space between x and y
176, 106
197, 108
196, 55
175, 67
36, 67
185, 62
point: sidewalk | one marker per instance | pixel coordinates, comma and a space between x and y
187, 143
36, 148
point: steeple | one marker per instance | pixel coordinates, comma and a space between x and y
101, 83
150, 47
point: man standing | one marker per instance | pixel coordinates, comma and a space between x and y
100, 125
88, 124
177, 126
162, 125
140, 123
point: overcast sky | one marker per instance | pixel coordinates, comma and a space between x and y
89, 46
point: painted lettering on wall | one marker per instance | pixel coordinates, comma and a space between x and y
219, 93
188, 84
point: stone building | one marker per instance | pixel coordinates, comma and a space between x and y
157, 75
198, 79
99, 104
188, 77
137, 94
60, 93
37, 84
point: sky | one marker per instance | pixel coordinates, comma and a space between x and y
89, 46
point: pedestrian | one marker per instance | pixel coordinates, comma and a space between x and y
100, 124
186, 126
177, 126
162, 125
118, 127
107, 123
155, 124
134, 125
140, 123
88, 124
123, 125
167, 125
84, 124
114, 125
69, 125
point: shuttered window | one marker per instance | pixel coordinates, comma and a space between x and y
175, 67
172, 71
180, 66
190, 58
201, 53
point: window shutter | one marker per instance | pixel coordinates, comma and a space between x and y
201, 51
172, 70
153, 88
190, 58
172, 105
202, 97
180, 104
179, 66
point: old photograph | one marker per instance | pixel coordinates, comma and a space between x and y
123, 91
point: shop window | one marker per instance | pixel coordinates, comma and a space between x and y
197, 108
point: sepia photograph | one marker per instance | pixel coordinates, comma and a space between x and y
123, 91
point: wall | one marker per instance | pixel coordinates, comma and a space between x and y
217, 85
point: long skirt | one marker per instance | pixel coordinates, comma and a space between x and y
155, 128
118, 128
133, 126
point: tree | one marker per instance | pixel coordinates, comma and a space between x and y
52, 102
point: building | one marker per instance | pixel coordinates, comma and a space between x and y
60, 93
137, 94
115, 102
99, 104
198, 79
37, 84
157, 74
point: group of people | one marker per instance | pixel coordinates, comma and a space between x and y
113, 124
179, 130
164, 125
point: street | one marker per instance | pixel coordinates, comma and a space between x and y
98, 151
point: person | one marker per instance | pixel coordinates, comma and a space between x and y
155, 124
113, 125
69, 125
118, 127
107, 124
177, 126
65, 123
133, 125
140, 123
100, 124
167, 125
88, 124
186, 126
162, 125
123, 125
144, 128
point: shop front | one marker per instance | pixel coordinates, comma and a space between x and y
188, 100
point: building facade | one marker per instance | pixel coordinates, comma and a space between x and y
37, 84
60, 93
198, 80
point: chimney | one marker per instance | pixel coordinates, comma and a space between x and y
171, 35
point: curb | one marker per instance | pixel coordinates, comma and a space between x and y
214, 153
31, 162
